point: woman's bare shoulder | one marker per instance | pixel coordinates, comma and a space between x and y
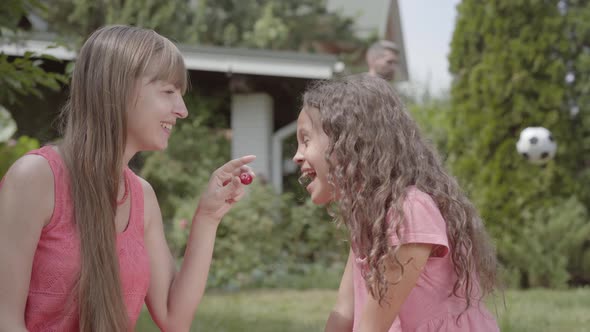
28, 187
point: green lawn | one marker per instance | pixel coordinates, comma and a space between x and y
291, 310
545, 311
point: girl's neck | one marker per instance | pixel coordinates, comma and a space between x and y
127, 156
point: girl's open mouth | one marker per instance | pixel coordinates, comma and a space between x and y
306, 178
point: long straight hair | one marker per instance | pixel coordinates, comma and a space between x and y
102, 90
375, 153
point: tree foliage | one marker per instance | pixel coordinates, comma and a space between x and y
511, 60
19, 77
22, 76
269, 24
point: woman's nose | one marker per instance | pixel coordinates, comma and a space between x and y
180, 109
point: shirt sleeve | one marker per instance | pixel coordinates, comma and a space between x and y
423, 223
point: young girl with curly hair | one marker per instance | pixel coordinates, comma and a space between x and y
420, 258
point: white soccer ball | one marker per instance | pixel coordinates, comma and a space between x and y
536, 144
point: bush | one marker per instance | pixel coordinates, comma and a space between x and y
548, 244
268, 240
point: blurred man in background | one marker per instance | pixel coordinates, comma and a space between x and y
382, 59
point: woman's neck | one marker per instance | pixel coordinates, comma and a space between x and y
127, 156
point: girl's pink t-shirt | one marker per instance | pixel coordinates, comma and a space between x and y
429, 307
50, 304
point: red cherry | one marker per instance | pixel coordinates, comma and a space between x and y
246, 178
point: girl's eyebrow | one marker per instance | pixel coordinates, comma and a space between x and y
302, 132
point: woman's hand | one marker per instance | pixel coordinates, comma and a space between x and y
224, 189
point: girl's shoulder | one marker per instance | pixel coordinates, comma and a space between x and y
417, 196
422, 221
30, 171
28, 187
417, 201
149, 194
149, 200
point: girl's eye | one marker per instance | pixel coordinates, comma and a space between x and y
169, 92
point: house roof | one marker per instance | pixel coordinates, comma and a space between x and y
260, 62
215, 59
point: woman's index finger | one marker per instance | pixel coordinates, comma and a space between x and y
234, 164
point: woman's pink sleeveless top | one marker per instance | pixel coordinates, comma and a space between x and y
50, 304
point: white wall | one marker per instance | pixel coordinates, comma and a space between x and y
252, 128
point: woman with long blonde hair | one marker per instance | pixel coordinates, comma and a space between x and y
420, 258
82, 243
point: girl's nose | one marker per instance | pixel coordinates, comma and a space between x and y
298, 158
180, 109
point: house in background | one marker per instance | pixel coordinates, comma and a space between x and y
265, 86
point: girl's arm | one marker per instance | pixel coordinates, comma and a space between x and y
173, 297
26, 205
342, 316
379, 317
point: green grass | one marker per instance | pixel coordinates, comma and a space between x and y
545, 311
291, 311
262, 310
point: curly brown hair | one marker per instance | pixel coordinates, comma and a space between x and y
375, 153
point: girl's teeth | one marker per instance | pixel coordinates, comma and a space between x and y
305, 179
